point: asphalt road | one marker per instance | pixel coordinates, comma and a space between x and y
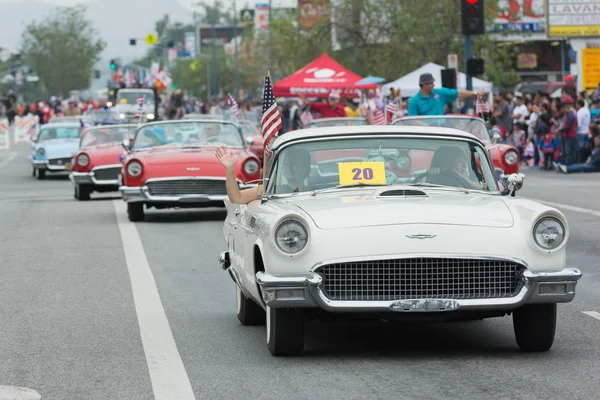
94, 307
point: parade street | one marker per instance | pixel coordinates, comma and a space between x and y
93, 306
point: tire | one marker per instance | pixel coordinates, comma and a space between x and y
82, 192
33, 172
248, 312
285, 331
41, 174
535, 326
135, 211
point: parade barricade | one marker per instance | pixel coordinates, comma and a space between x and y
4, 134
25, 126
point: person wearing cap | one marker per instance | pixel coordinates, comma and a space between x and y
568, 133
331, 109
430, 101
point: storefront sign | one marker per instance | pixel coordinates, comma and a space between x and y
590, 68
516, 16
312, 12
573, 18
247, 16
527, 61
261, 17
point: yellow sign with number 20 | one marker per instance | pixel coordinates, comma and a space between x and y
362, 172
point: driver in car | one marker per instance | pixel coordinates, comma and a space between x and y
449, 167
296, 168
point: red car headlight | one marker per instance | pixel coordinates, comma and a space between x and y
83, 160
134, 168
251, 167
511, 157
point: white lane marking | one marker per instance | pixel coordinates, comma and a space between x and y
568, 207
9, 159
592, 314
167, 372
18, 393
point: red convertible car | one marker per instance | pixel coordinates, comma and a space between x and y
505, 157
97, 163
172, 164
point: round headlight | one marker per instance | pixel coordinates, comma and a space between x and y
41, 151
122, 116
83, 160
134, 168
511, 157
549, 233
251, 167
291, 237
150, 116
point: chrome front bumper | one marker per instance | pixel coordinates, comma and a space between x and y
43, 164
133, 194
306, 291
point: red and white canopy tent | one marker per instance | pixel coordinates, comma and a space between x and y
318, 78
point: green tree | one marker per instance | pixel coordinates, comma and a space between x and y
217, 14
63, 49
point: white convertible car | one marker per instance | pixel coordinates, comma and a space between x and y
394, 223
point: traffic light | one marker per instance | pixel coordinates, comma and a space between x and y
132, 42
475, 67
113, 64
170, 44
174, 87
473, 17
97, 74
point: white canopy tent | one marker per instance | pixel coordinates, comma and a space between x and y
409, 84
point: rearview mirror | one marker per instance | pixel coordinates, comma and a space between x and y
403, 162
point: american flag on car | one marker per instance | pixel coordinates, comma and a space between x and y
140, 111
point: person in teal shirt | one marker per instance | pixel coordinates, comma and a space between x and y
430, 101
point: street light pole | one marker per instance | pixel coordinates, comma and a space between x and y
235, 51
214, 56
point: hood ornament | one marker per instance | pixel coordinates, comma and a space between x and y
193, 169
420, 236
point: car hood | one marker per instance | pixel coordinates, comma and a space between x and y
177, 155
59, 146
107, 154
354, 209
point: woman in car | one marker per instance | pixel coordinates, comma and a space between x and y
296, 168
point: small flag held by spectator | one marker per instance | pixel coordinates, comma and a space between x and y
481, 107
379, 118
306, 117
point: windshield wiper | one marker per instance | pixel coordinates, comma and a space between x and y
352, 185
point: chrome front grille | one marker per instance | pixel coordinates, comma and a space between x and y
107, 174
60, 161
182, 187
421, 278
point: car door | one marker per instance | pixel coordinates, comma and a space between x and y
235, 233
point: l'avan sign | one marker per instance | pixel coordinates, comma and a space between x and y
573, 18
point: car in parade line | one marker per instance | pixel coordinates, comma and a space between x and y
104, 117
440, 245
339, 121
53, 148
172, 164
505, 157
98, 161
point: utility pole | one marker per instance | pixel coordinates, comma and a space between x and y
214, 57
473, 23
235, 51
468, 55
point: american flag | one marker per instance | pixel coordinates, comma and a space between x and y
306, 116
379, 117
391, 109
481, 107
140, 111
235, 108
271, 119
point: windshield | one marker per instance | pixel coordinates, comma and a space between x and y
327, 164
107, 134
335, 122
59, 133
99, 115
248, 128
124, 97
474, 126
192, 133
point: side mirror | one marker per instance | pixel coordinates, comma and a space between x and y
126, 145
249, 141
496, 138
514, 182
34, 138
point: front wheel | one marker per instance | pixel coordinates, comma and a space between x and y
82, 192
535, 326
285, 331
135, 211
248, 312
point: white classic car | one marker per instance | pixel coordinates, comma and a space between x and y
396, 223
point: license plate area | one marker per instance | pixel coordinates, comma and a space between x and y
430, 305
